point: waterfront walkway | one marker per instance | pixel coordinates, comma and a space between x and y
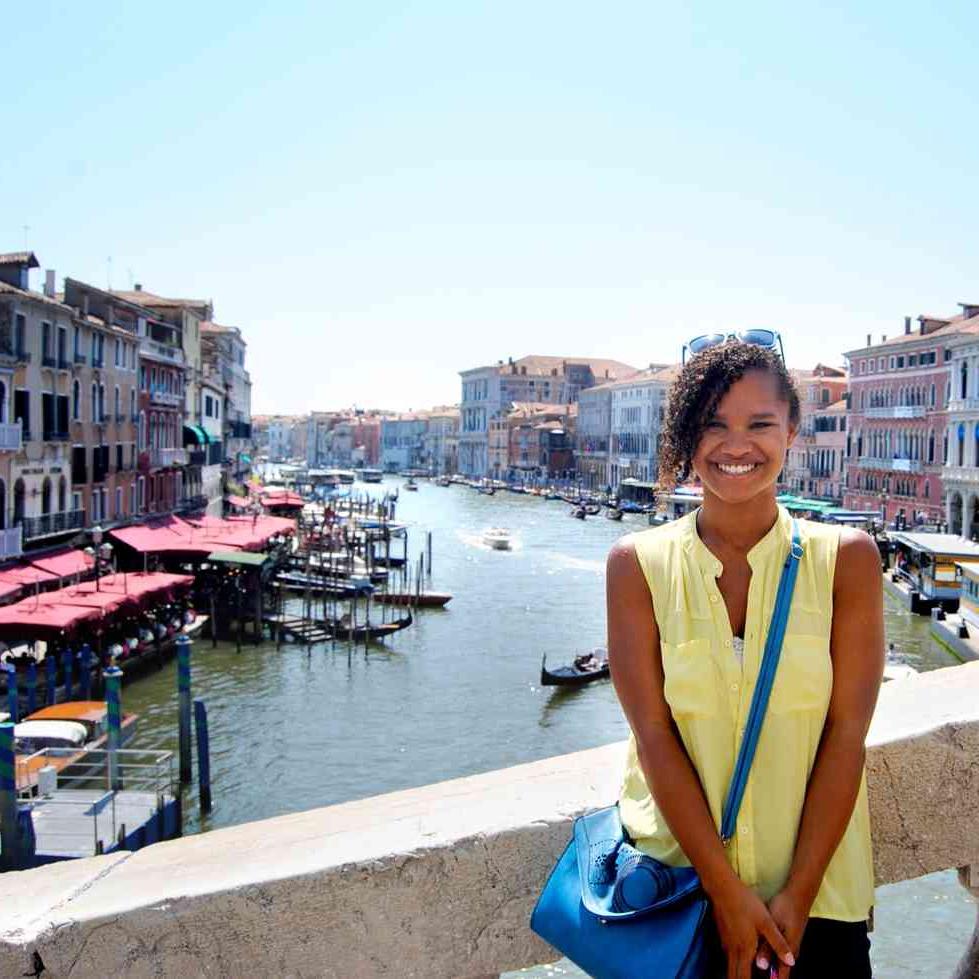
438, 881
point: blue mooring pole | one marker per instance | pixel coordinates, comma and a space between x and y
85, 673
32, 686
203, 756
12, 693
67, 661
10, 857
113, 703
183, 689
51, 678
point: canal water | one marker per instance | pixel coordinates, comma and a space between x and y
458, 693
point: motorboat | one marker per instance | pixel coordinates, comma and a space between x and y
411, 485
371, 475
498, 538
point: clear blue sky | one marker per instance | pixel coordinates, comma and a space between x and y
383, 194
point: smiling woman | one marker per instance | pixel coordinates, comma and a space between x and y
690, 607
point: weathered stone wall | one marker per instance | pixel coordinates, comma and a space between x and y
437, 881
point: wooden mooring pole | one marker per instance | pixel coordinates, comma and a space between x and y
203, 757
183, 719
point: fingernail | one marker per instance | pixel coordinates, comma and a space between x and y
790, 959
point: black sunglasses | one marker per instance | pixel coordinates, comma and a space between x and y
769, 339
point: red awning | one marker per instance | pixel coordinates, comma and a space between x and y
204, 535
145, 586
283, 500
83, 597
65, 563
21, 575
32, 618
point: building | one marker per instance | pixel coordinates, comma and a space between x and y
106, 483
488, 391
818, 389
403, 441
540, 441
638, 403
441, 440
827, 457
593, 436
223, 352
960, 475
897, 426
205, 454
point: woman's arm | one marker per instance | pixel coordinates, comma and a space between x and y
857, 650
637, 672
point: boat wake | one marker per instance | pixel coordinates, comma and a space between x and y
475, 539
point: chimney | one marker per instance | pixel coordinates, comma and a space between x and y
868, 339
138, 286
49, 283
883, 338
907, 325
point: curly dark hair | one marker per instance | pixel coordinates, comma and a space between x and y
696, 393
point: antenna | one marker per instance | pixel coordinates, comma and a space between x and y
27, 229
108, 273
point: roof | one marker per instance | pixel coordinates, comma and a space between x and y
538, 365
950, 545
953, 327
207, 326
144, 298
37, 297
837, 407
238, 557
65, 563
20, 258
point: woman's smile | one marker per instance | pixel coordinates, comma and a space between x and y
737, 468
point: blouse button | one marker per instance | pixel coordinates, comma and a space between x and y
744, 830
734, 688
727, 642
714, 599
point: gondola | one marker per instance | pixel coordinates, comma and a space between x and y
574, 676
425, 599
613, 513
342, 630
578, 512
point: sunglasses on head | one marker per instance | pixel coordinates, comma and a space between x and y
758, 338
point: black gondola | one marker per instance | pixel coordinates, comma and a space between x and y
613, 513
574, 675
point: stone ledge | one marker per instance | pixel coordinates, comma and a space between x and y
437, 881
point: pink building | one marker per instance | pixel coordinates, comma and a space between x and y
896, 438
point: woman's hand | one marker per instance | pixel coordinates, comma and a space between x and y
790, 912
746, 927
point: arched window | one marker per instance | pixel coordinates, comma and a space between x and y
932, 402
931, 445
101, 402
961, 440
46, 496
76, 401
118, 403
3, 401
62, 494
132, 404
18, 502
964, 376
95, 403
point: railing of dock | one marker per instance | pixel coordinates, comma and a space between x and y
139, 770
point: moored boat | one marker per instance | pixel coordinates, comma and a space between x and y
411, 485
371, 475
613, 513
425, 599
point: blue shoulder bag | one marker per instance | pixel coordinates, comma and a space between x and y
618, 913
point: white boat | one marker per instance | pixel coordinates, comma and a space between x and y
371, 475
498, 538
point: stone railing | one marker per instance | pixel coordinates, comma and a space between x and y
439, 881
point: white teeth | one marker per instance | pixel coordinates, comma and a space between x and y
736, 470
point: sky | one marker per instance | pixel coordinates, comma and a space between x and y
383, 194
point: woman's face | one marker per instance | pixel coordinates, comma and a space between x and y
742, 449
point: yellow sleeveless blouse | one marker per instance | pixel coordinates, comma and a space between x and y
709, 693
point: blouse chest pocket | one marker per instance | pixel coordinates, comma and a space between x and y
804, 679
690, 680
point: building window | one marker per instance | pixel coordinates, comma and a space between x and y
76, 401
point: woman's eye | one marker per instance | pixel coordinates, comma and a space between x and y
714, 424
761, 425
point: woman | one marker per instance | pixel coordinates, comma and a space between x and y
688, 610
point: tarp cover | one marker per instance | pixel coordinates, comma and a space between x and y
32, 618
65, 563
203, 535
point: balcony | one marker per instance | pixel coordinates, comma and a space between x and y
55, 436
98, 361
47, 360
896, 411
159, 396
10, 543
64, 364
49, 524
197, 457
159, 458
80, 358
22, 356
121, 418
892, 465
11, 436
161, 351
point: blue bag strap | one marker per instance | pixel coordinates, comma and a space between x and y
763, 686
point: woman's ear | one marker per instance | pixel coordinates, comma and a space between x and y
793, 432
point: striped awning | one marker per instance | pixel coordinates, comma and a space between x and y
196, 434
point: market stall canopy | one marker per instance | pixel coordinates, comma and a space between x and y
203, 536
33, 619
103, 601
145, 585
64, 564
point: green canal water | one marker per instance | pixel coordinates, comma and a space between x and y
458, 693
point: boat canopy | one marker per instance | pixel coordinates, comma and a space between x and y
33, 736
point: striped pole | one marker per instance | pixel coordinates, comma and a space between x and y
32, 686
85, 677
183, 690
9, 836
113, 684
51, 680
67, 661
